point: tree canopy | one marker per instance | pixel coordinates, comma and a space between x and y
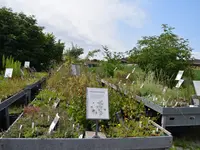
166, 52
24, 40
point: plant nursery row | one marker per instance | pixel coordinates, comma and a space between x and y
56, 119
155, 95
17, 91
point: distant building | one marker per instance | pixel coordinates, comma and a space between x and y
196, 62
93, 63
124, 60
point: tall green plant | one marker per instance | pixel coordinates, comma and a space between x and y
9, 62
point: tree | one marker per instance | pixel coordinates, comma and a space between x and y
74, 51
112, 60
92, 54
167, 53
23, 39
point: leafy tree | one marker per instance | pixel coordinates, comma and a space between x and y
23, 39
112, 60
167, 53
92, 54
74, 51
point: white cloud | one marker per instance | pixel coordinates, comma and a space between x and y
88, 23
196, 55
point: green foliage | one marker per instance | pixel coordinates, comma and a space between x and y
23, 39
112, 60
74, 52
92, 54
167, 52
196, 74
10, 63
72, 110
14, 85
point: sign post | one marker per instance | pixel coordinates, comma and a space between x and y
8, 73
197, 87
75, 69
27, 64
97, 106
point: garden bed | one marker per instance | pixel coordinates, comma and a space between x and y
148, 143
171, 116
21, 98
65, 99
11, 87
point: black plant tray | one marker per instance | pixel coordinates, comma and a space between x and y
24, 96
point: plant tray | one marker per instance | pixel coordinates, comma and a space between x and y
135, 143
171, 116
24, 95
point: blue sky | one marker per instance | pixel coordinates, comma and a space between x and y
184, 15
115, 23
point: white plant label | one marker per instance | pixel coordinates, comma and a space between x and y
157, 129
115, 69
56, 103
179, 83
197, 87
49, 99
27, 64
80, 136
142, 85
120, 81
128, 76
97, 104
59, 68
164, 90
33, 124
53, 124
176, 104
133, 82
140, 124
8, 73
133, 70
20, 127
179, 75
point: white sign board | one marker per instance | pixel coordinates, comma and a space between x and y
8, 73
179, 75
75, 69
97, 104
197, 87
27, 64
179, 83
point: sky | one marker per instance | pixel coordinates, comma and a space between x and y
115, 23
